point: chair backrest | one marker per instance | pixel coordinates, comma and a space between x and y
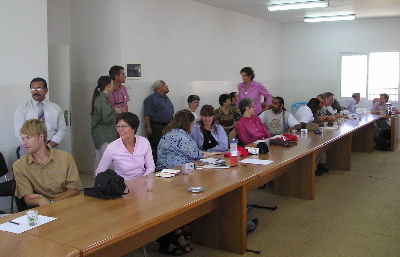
231, 135
3, 166
20, 203
296, 106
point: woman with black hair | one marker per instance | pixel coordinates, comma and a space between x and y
102, 117
131, 154
225, 115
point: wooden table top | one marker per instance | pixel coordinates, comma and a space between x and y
88, 223
309, 142
22, 245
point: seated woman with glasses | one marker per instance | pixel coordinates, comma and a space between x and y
250, 128
208, 134
131, 154
102, 117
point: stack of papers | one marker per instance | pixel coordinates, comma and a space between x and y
212, 161
214, 166
167, 173
20, 224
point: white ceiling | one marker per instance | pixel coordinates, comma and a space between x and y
363, 9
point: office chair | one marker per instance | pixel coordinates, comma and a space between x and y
17, 152
296, 106
7, 188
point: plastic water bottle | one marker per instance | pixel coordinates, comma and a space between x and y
234, 158
233, 145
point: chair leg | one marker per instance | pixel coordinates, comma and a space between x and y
12, 205
12, 197
144, 251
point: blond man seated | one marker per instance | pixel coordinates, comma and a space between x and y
44, 175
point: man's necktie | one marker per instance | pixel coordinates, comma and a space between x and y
40, 111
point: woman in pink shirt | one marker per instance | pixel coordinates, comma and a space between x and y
254, 90
250, 128
131, 154
132, 157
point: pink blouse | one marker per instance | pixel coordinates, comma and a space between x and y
127, 165
255, 91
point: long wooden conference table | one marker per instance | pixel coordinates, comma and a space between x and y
88, 226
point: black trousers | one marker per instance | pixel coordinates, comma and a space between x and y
155, 137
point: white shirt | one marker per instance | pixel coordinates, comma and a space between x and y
274, 122
350, 105
304, 114
196, 116
53, 115
331, 110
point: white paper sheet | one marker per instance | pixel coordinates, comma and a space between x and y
256, 161
23, 224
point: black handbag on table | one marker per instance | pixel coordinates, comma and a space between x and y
107, 185
282, 143
262, 148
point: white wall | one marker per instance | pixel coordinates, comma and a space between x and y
59, 22
95, 47
23, 54
311, 62
195, 48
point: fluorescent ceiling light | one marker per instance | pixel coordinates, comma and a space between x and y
330, 18
298, 5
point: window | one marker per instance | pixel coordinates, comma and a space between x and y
370, 74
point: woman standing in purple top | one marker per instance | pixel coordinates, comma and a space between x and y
254, 90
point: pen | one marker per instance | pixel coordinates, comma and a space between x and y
16, 223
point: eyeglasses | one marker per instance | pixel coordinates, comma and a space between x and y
123, 126
38, 89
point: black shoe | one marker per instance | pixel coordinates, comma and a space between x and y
319, 173
252, 225
322, 167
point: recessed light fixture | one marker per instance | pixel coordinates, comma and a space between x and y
348, 17
298, 5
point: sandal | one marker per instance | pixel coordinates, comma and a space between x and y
183, 246
177, 251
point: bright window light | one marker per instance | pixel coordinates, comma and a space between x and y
371, 74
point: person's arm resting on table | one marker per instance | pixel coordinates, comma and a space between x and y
39, 200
